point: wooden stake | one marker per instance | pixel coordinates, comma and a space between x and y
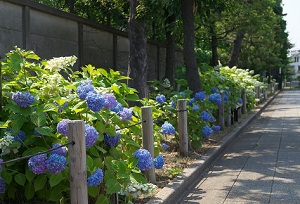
244, 98
221, 120
77, 162
148, 140
182, 128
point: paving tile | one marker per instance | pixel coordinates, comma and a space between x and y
206, 197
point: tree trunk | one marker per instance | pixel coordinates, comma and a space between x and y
170, 49
137, 64
189, 57
234, 56
214, 48
72, 6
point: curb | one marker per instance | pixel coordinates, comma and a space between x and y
184, 182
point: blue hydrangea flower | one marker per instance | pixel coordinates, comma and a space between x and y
216, 98
212, 119
226, 93
207, 131
167, 128
23, 100
160, 99
111, 141
91, 135
95, 101
118, 108
110, 101
19, 137
1, 160
84, 88
125, 114
2, 186
38, 164
226, 98
62, 127
158, 162
195, 108
60, 151
216, 128
240, 101
144, 159
214, 89
182, 94
96, 178
200, 96
191, 101
205, 116
165, 146
56, 163
173, 104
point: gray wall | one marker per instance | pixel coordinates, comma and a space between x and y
53, 33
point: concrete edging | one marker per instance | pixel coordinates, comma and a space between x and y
181, 185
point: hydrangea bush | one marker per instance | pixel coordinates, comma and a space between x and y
40, 97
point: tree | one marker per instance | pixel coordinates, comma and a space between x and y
189, 57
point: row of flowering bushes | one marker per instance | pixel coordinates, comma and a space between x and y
41, 96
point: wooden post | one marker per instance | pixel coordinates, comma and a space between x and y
221, 120
0, 85
148, 140
244, 98
229, 115
77, 162
182, 127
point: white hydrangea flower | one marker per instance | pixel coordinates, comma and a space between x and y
59, 63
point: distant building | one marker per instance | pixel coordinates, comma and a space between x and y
295, 63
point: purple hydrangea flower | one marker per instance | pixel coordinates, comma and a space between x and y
158, 162
165, 146
216, 98
38, 164
207, 131
110, 101
191, 101
111, 141
205, 116
214, 89
95, 101
167, 128
195, 108
200, 96
2, 186
62, 127
23, 100
60, 151
160, 99
216, 128
144, 159
91, 135
84, 88
118, 108
96, 178
56, 163
125, 114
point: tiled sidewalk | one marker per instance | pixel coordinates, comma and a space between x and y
262, 165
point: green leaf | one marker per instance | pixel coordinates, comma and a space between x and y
133, 143
18, 122
101, 149
50, 107
11, 191
89, 162
94, 151
29, 175
26, 111
113, 186
20, 179
16, 62
132, 97
115, 88
6, 176
4, 124
32, 55
39, 119
102, 199
56, 193
29, 191
40, 182
55, 179
34, 150
46, 131
14, 108
137, 178
93, 191
103, 72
